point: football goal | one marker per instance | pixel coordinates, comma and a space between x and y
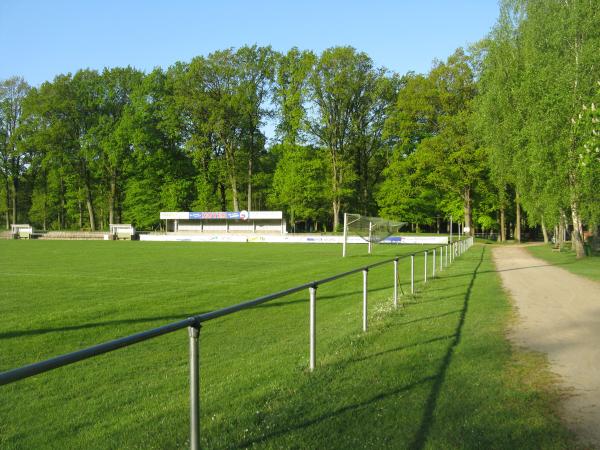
369, 229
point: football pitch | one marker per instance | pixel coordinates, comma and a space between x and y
436, 373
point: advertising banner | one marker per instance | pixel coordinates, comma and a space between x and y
207, 215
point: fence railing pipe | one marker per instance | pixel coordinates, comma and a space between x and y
365, 274
79, 355
313, 326
194, 334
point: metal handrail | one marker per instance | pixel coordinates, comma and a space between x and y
194, 323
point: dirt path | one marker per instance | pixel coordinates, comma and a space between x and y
559, 314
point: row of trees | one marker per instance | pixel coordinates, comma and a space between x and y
95, 148
500, 136
537, 115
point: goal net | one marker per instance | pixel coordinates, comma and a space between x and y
370, 229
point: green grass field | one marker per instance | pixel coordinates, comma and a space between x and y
587, 267
436, 373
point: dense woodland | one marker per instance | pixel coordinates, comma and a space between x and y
502, 136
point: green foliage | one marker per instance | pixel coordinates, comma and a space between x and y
299, 183
489, 128
587, 132
437, 157
291, 91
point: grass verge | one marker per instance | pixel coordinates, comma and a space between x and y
588, 267
436, 373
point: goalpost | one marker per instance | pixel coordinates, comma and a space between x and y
370, 229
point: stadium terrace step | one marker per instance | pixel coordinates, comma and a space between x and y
72, 235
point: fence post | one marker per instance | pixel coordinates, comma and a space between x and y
194, 334
313, 326
441, 258
365, 272
425, 274
396, 283
345, 234
446, 251
433, 264
412, 273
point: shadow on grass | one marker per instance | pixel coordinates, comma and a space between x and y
397, 349
430, 406
337, 296
440, 279
346, 409
83, 326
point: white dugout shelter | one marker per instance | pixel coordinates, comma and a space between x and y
224, 222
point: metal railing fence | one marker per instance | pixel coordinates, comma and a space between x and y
194, 324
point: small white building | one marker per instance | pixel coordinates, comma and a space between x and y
21, 231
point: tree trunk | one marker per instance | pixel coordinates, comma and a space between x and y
62, 222
45, 199
502, 224
561, 229
14, 188
518, 218
544, 231
223, 197
90, 207
111, 198
468, 210
577, 235
7, 187
249, 183
234, 194
80, 213
596, 238
336, 214
231, 168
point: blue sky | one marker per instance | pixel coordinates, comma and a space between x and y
41, 39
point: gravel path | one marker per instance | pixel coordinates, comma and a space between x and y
559, 315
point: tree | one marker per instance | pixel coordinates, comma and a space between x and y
299, 183
112, 132
159, 172
13, 155
560, 41
341, 87
257, 74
